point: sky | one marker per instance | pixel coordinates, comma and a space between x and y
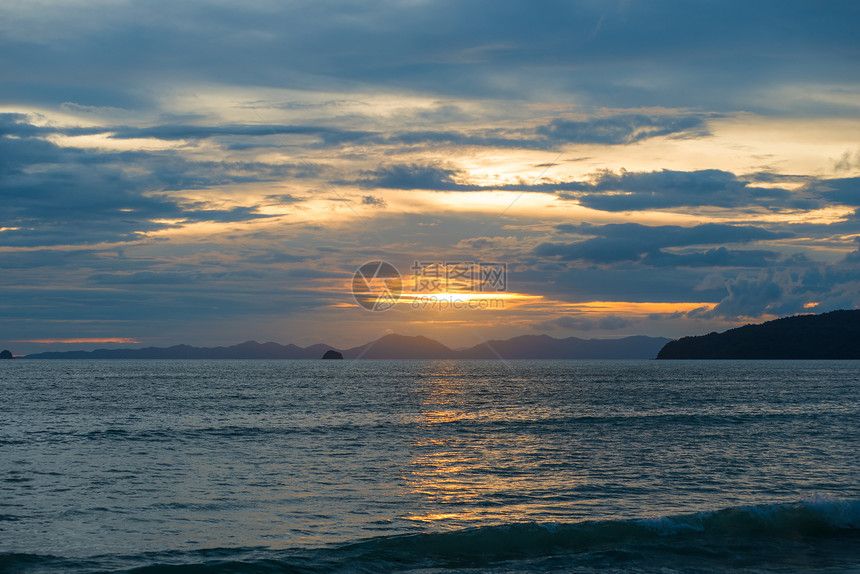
210, 172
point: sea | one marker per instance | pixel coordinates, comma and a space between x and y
186, 466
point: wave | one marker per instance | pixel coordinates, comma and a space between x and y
467, 425
817, 534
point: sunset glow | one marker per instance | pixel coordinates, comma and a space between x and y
214, 199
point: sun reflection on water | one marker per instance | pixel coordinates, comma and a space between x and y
468, 466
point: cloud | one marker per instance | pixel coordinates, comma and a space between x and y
609, 191
619, 242
144, 278
612, 55
631, 191
326, 135
621, 129
56, 259
788, 290
748, 297
180, 132
854, 256
55, 195
414, 176
845, 191
719, 257
624, 129
524, 139
225, 215
847, 161
373, 201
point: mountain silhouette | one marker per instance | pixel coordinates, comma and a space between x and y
246, 350
401, 347
834, 335
396, 347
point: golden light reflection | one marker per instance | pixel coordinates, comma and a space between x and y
459, 474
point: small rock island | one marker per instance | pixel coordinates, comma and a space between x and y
6, 354
332, 354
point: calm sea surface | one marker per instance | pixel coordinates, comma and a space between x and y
430, 466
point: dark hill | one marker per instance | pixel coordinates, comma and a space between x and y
396, 347
246, 350
401, 347
834, 335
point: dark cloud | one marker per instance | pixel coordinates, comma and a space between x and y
771, 177
625, 191
624, 129
845, 191
326, 136
180, 132
13, 124
854, 256
613, 55
283, 199
621, 242
620, 129
373, 201
414, 176
719, 257
804, 287
482, 138
630, 191
613, 130
145, 278
748, 297
847, 161
273, 257
37, 258
618, 282
56, 195
225, 215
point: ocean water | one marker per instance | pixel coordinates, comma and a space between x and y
429, 466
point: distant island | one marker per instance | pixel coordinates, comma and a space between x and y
397, 347
6, 354
834, 335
